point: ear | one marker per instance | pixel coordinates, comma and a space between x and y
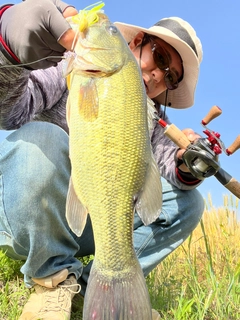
136, 41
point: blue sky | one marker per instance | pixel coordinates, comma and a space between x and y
217, 25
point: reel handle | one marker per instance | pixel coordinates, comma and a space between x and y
234, 146
214, 112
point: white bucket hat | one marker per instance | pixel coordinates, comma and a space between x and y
182, 37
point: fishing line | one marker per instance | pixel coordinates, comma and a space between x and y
29, 63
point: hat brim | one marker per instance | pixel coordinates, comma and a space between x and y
183, 96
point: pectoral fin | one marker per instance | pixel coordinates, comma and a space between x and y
88, 101
76, 212
149, 201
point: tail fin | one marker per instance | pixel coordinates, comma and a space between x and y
118, 297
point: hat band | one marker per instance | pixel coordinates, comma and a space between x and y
176, 28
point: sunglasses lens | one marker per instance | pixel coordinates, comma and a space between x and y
160, 57
171, 80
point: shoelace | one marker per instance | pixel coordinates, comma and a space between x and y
58, 298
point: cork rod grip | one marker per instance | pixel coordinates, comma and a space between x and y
177, 136
234, 186
228, 182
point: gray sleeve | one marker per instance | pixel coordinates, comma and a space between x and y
61, 5
31, 95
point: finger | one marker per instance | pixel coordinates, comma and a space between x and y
188, 131
67, 39
180, 153
69, 12
191, 135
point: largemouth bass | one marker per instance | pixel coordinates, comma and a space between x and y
113, 169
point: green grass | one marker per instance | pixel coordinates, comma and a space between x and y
13, 293
199, 281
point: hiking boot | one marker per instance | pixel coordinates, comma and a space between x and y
155, 315
51, 303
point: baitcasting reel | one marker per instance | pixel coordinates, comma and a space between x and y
201, 156
201, 159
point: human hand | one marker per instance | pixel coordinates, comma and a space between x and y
192, 136
36, 29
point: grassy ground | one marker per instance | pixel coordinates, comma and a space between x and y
200, 280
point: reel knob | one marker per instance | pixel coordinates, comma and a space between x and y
214, 112
234, 146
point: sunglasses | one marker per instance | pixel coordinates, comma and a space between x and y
160, 57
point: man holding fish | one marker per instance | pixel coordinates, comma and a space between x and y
34, 159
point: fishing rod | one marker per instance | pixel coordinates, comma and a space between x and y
201, 156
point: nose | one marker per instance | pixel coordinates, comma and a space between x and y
158, 75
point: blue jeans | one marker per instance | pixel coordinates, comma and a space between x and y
34, 176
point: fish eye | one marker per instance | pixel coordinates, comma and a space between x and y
112, 29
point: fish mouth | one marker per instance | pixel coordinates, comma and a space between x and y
86, 67
93, 71
98, 71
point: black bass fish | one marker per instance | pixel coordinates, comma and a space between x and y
113, 169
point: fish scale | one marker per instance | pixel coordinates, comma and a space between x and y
113, 170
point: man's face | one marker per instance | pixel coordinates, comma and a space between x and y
155, 78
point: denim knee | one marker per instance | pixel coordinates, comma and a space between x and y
181, 213
35, 172
35, 168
